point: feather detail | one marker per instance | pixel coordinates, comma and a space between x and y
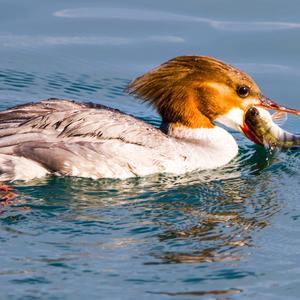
88, 140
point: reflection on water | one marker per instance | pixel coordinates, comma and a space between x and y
207, 220
16, 41
199, 218
202, 293
204, 218
160, 16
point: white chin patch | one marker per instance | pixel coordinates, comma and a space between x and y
233, 119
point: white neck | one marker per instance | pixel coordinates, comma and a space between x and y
207, 147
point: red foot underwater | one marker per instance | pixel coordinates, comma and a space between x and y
6, 194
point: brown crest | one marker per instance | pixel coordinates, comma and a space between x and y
191, 90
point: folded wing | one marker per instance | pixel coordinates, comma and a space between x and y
81, 139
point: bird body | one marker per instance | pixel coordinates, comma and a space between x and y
88, 140
191, 93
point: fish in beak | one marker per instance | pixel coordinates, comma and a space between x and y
265, 130
265, 103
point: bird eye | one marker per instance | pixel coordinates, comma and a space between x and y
243, 91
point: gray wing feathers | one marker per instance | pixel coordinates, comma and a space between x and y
79, 139
95, 160
82, 120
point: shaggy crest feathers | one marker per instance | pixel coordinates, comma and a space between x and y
173, 78
174, 88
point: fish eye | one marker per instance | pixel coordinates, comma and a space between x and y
243, 91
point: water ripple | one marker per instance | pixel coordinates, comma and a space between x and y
201, 226
29, 41
160, 16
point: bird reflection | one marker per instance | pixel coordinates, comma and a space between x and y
202, 217
222, 223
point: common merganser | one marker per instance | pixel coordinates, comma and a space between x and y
191, 94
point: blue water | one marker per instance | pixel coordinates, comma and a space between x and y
233, 233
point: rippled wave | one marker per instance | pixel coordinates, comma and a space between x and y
204, 224
29, 41
229, 233
155, 16
202, 217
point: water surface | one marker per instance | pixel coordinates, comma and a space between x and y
231, 233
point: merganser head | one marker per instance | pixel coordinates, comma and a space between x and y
197, 91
